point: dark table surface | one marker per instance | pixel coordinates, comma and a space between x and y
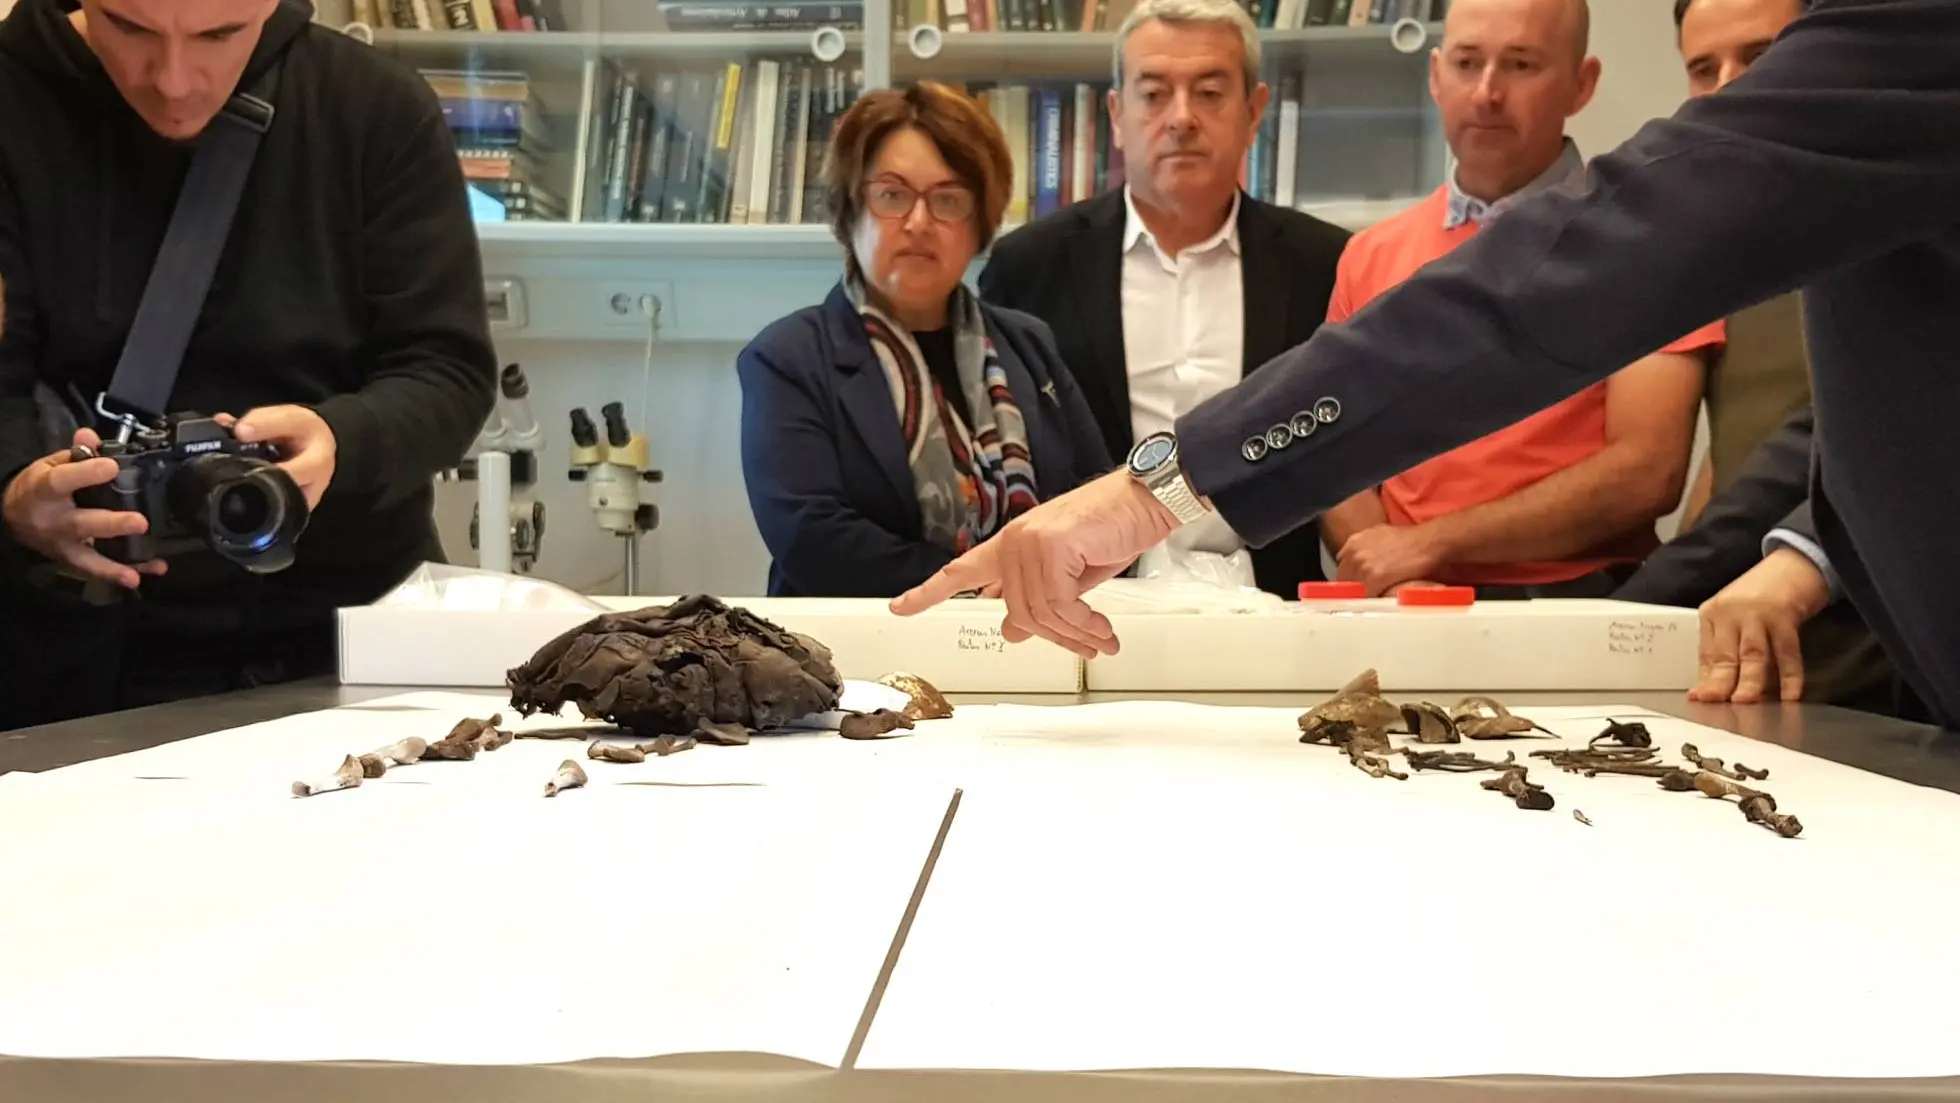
1909, 752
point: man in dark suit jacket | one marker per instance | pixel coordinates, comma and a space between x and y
1076, 268
1832, 165
1752, 563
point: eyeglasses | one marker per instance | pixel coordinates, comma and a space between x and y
951, 203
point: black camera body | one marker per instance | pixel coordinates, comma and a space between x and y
201, 489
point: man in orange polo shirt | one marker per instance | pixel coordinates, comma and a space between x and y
1564, 502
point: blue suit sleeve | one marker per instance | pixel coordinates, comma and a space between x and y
1835, 148
800, 503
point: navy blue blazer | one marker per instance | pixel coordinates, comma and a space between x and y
825, 462
1831, 165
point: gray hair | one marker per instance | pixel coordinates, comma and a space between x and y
1192, 11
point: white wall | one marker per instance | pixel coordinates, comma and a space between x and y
705, 540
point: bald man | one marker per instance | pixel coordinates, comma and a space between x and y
1562, 504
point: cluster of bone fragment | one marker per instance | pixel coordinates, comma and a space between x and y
1359, 720
462, 742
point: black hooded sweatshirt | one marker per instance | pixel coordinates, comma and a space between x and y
350, 283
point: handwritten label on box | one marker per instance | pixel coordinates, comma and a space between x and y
1637, 637
981, 638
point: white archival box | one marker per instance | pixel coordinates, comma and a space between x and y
958, 646
1500, 646
1548, 645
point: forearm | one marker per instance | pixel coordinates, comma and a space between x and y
1561, 515
401, 429
1363, 511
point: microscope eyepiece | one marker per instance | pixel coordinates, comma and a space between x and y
513, 383
616, 433
584, 433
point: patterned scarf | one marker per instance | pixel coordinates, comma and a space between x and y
971, 480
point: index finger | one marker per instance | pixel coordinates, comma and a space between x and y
975, 570
69, 476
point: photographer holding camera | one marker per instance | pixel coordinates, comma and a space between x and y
271, 444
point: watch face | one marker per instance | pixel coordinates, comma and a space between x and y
1153, 454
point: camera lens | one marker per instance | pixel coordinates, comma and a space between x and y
242, 511
245, 509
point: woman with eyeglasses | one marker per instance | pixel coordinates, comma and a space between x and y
903, 421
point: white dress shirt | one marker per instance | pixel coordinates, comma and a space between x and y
1183, 342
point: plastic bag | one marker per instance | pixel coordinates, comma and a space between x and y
445, 586
1177, 594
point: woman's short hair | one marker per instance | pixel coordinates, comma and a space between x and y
965, 134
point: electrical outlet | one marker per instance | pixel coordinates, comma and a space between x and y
624, 305
505, 299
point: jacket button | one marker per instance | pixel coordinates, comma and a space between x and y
1326, 410
1303, 424
1254, 449
1279, 436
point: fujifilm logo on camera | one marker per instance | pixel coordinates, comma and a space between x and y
193, 447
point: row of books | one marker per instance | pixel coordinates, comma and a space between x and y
745, 143
502, 141
948, 15
956, 16
739, 142
461, 15
545, 15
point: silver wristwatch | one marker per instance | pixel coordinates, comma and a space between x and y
1153, 462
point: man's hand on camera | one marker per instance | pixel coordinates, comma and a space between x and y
40, 511
305, 444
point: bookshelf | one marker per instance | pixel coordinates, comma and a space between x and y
682, 140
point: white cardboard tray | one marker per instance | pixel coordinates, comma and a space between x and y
957, 646
1553, 646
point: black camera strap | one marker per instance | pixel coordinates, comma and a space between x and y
180, 278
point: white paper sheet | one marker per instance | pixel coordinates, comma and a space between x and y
487, 925
1192, 888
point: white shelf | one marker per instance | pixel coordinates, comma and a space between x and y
496, 50
1003, 55
608, 241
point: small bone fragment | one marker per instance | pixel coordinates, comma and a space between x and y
872, 725
404, 752
669, 744
569, 776
1357, 707
1761, 808
723, 735
1523, 793
348, 776
1626, 733
601, 751
1429, 723
1457, 762
375, 763
1480, 717
1581, 817
1715, 765
469, 736
924, 701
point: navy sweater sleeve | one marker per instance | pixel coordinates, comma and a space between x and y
429, 371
